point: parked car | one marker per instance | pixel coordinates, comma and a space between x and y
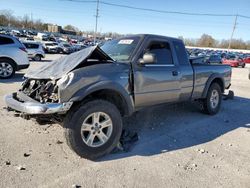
35, 50
13, 56
51, 47
234, 62
213, 59
89, 91
246, 60
65, 48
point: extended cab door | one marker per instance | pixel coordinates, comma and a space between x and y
158, 82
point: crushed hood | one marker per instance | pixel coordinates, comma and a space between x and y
59, 67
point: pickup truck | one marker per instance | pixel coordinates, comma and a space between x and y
89, 91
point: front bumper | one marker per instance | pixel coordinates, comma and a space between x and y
33, 108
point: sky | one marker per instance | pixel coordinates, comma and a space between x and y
124, 21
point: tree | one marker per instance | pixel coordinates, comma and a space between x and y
206, 41
71, 28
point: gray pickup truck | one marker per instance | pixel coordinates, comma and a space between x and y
91, 90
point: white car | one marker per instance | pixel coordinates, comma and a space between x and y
35, 50
13, 56
50, 47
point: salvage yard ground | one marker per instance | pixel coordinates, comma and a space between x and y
177, 147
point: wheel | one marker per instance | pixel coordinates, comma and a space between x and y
243, 65
211, 105
93, 129
37, 58
7, 68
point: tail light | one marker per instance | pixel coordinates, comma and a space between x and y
23, 49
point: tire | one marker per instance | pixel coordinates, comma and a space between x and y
37, 58
75, 132
212, 107
243, 66
7, 68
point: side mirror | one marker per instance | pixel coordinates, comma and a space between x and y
147, 58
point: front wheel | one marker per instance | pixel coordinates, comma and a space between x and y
7, 68
93, 129
211, 105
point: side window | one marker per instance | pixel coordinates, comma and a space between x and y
181, 53
34, 45
6, 40
162, 52
30, 45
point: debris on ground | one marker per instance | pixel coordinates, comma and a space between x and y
59, 142
76, 186
21, 167
230, 144
128, 138
194, 165
26, 154
8, 162
202, 151
164, 151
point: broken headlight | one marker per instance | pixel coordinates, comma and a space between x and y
65, 80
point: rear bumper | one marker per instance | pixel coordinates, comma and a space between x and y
19, 67
33, 108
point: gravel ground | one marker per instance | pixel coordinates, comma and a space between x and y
177, 147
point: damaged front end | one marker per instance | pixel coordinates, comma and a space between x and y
39, 94
43, 91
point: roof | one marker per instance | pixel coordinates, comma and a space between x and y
154, 35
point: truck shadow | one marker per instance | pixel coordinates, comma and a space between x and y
168, 128
18, 77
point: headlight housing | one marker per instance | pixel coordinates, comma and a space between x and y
65, 80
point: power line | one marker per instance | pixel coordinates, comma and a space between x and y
162, 11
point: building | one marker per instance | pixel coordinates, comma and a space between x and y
54, 28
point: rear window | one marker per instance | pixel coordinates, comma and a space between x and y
6, 40
181, 53
30, 45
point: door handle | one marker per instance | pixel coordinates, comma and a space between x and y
175, 73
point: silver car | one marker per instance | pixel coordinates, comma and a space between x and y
35, 50
13, 56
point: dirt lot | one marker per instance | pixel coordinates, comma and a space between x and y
177, 147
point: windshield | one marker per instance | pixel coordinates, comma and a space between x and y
120, 49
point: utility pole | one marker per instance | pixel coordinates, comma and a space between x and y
31, 20
234, 27
96, 20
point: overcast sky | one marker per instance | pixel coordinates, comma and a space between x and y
123, 20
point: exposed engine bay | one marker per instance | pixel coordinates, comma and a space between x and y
43, 91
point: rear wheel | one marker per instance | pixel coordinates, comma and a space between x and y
211, 105
7, 68
93, 129
37, 58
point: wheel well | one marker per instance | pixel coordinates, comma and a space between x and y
220, 82
9, 59
111, 96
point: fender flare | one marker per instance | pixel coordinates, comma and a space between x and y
210, 80
109, 85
